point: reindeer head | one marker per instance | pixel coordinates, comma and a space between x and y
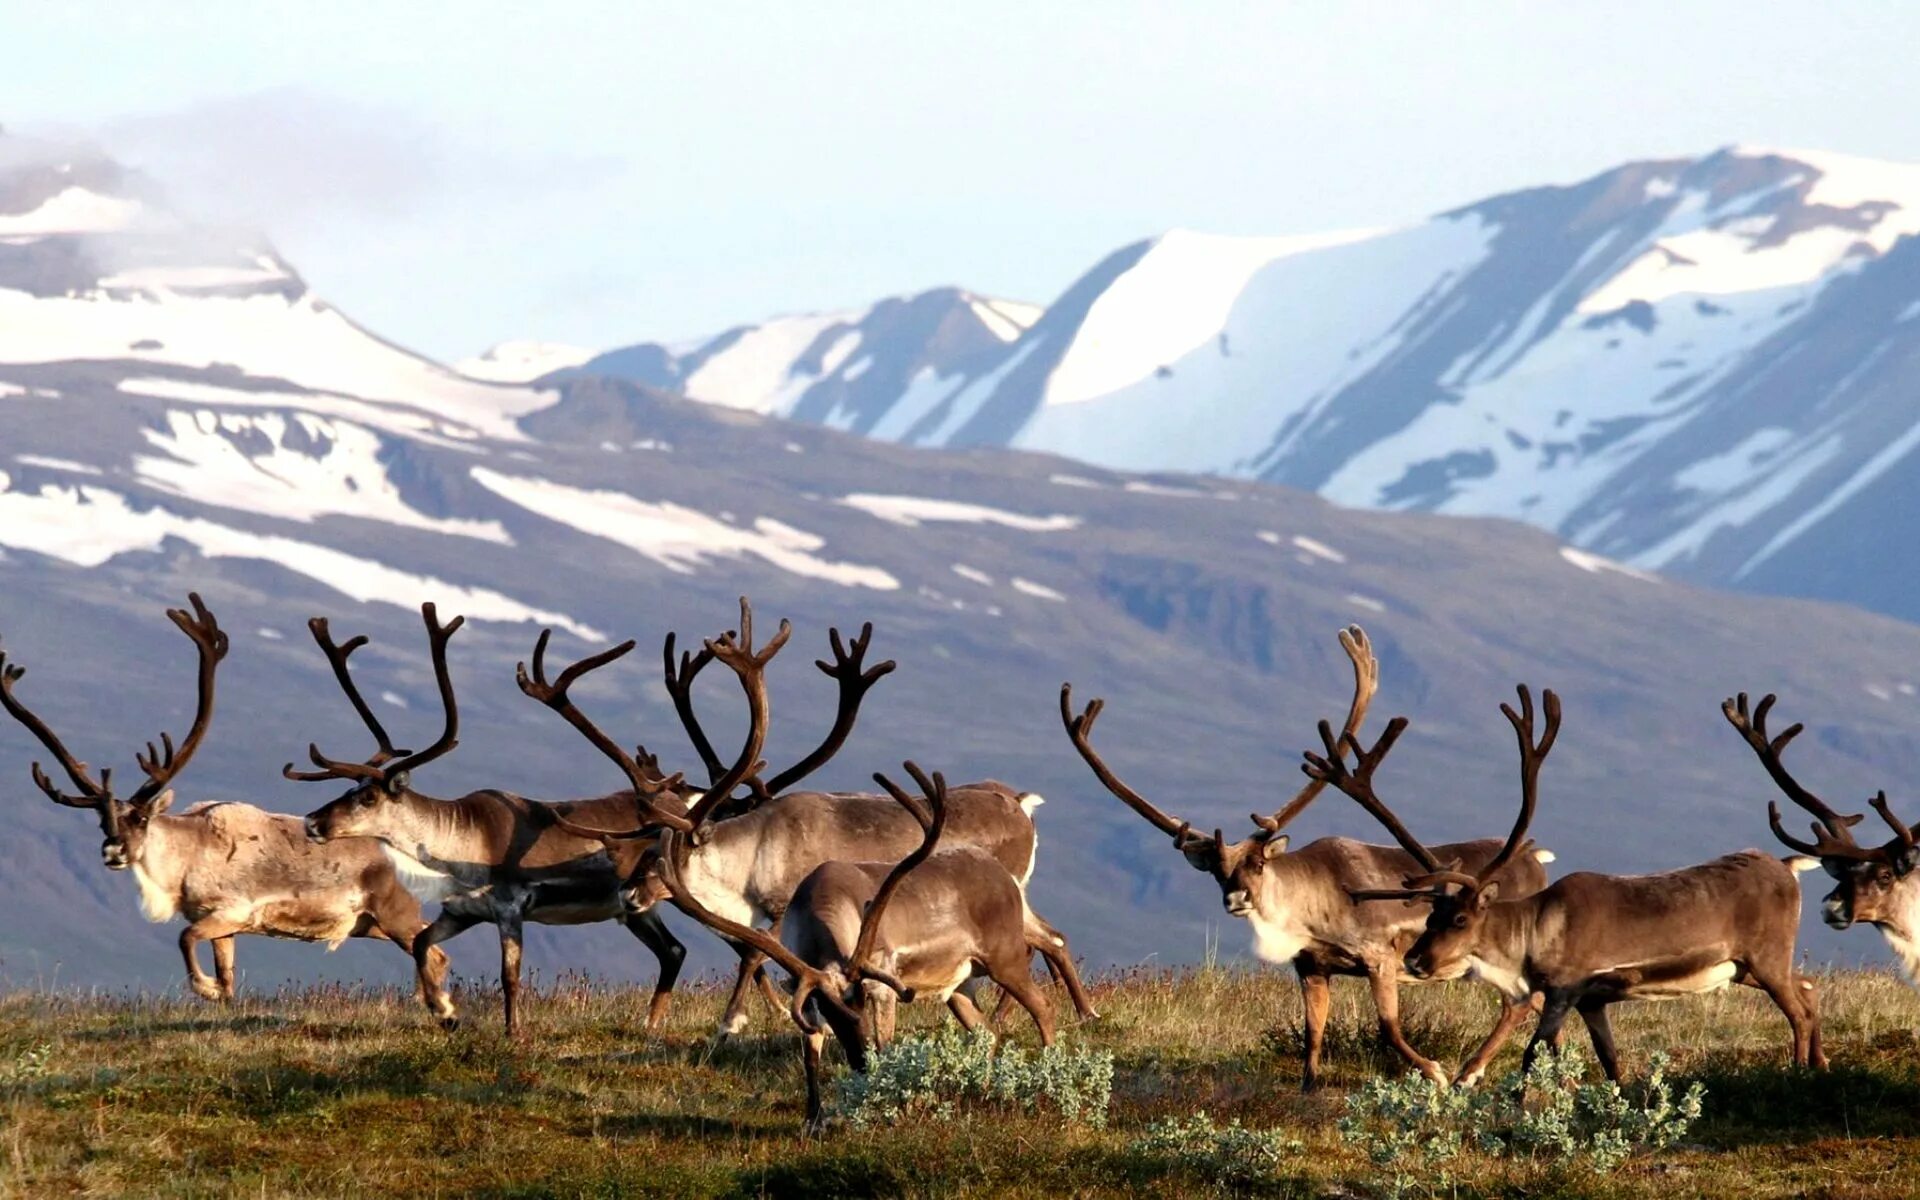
1447, 945
381, 783
1871, 881
1240, 868
124, 823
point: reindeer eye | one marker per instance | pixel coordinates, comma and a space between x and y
1460, 920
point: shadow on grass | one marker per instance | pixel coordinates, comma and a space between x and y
1754, 1105
770, 1124
136, 1029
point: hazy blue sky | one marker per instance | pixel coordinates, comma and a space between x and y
457, 174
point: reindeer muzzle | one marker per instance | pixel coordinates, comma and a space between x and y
1239, 903
314, 832
115, 857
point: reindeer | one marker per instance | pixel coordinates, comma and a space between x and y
1297, 901
1874, 885
1590, 941
857, 929
490, 855
747, 866
228, 868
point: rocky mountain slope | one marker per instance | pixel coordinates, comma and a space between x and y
237, 436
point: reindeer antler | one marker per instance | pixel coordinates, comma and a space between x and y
1832, 831
846, 670
1357, 783
554, 694
1366, 681
1079, 728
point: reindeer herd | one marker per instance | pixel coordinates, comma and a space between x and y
865, 900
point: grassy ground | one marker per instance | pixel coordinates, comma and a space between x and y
334, 1092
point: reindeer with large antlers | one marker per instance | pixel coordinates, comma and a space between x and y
1873, 885
857, 929
1590, 941
489, 856
227, 868
1297, 901
747, 866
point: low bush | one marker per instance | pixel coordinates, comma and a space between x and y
937, 1074
1413, 1128
1229, 1154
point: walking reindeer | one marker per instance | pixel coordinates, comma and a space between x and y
1590, 941
228, 868
1873, 885
489, 856
748, 865
1298, 901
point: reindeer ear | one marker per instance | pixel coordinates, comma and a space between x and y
160, 803
1906, 860
1200, 855
399, 782
1487, 894
1275, 846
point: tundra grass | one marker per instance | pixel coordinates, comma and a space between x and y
342, 1092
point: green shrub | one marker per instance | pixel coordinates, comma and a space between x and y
1225, 1154
1413, 1127
934, 1075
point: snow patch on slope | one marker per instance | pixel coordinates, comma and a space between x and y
244, 461
88, 526
72, 210
679, 538
913, 511
267, 336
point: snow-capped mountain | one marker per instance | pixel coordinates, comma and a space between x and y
846, 370
522, 362
236, 437
1706, 366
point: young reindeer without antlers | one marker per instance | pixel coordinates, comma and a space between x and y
1590, 940
489, 856
1873, 885
857, 930
747, 867
1298, 901
227, 868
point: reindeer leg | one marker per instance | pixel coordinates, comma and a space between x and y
1053, 948
223, 966
655, 936
510, 931
1600, 1029
1793, 995
1316, 996
205, 929
399, 922
430, 963
1021, 987
734, 1019
1556, 1007
1512, 1013
811, 1045
1810, 1003
965, 1011
1385, 981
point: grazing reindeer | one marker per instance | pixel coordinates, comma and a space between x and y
1590, 941
748, 866
228, 868
924, 924
1297, 902
1874, 885
488, 856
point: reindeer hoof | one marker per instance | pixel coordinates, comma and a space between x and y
208, 991
449, 1023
